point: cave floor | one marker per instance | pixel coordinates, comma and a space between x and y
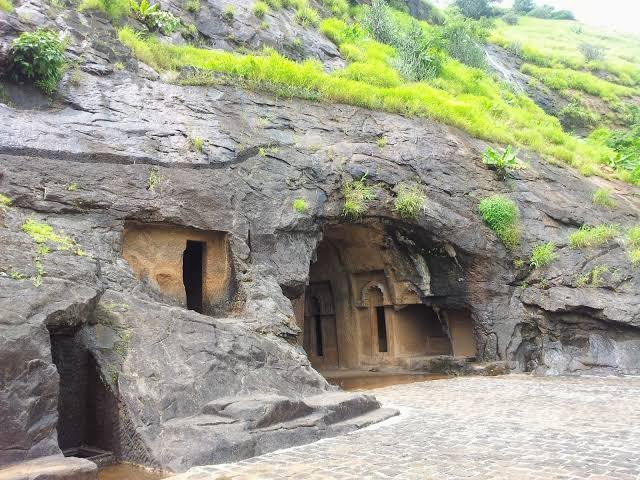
514, 427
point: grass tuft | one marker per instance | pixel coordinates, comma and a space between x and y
300, 205
501, 214
409, 200
542, 255
603, 198
6, 6
260, 9
588, 237
357, 195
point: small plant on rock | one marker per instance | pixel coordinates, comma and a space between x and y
307, 16
260, 9
357, 195
501, 214
229, 13
154, 179
542, 255
197, 143
5, 202
409, 200
6, 6
633, 244
193, 6
588, 237
602, 197
38, 57
300, 205
501, 162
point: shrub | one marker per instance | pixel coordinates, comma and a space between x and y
542, 255
587, 237
300, 205
634, 255
475, 8
378, 20
463, 38
417, 58
6, 6
307, 16
575, 115
165, 22
523, 6
260, 9
38, 57
357, 195
501, 162
409, 200
602, 197
501, 214
591, 53
510, 18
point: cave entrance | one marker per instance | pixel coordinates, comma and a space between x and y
87, 411
192, 274
360, 312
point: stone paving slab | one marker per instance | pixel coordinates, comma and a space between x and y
514, 427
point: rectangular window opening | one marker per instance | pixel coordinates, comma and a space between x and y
382, 330
192, 267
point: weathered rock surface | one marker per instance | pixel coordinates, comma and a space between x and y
186, 389
55, 467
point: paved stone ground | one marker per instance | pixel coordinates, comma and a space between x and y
513, 427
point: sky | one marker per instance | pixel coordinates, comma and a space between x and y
620, 15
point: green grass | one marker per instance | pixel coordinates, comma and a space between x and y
602, 197
409, 200
558, 78
6, 6
633, 237
501, 214
357, 195
4, 201
557, 42
588, 237
461, 96
260, 9
115, 9
542, 255
197, 143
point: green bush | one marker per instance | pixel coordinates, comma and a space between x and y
510, 18
409, 200
591, 53
575, 115
6, 6
523, 6
300, 205
463, 39
357, 195
542, 255
602, 197
501, 214
38, 57
260, 9
587, 237
417, 58
501, 162
475, 8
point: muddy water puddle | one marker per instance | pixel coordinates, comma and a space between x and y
372, 380
127, 471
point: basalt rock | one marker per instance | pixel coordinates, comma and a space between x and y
181, 388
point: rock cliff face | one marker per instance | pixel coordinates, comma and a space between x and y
183, 388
